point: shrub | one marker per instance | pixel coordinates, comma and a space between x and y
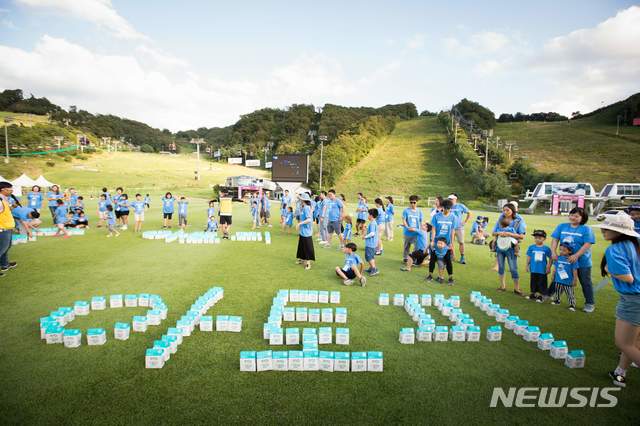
146, 148
67, 158
50, 163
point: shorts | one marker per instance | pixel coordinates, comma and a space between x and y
167, 215
418, 257
139, 217
349, 273
102, 215
359, 221
265, 214
182, 220
459, 233
334, 227
628, 309
119, 213
225, 220
369, 253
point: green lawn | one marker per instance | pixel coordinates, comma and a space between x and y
27, 120
584, 149
414, 159
440, 383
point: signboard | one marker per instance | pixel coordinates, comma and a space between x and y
290, 168
234, 160
252, 163
268, 165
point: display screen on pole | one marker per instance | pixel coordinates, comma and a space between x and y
290, 168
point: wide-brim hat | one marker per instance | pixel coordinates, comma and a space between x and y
305, 197
621, 223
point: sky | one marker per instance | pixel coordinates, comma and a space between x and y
190, 64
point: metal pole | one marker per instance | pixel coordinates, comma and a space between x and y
321, 155
486, 155
6, 143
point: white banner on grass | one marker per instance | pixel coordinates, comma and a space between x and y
234, 160
252, 163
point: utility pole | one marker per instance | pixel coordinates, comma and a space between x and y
322, 139
7, 120
486, 154
618, 125
455, 134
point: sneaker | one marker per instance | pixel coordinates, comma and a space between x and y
539, 300
307, 267
363, 281
10, 266
532, 296
451, 282
462, 261
572, 309
440, 280
618, 380
2, 275
347, 282
429, 277
368, 270
555, 303
589, 308
108, 235
374, 272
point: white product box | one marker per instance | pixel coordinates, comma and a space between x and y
289, 314
235, 323
375, 362
121, 331
334, 297
96, 336
457, 333
264, 361
325, 336
311, 361
575, 359
531, 333
312, 296
72, 338
544, 341
323, 297
131, 301
81, 308
425, 300
425, 333
341, 361
143, 300
342, 336
559, 349
473, 333
206, 323
441, 333
98, 303
247, 361
296, 361
327, 315
326, 361
154, 358
115, 301
494, 333
407, 336
222, 323
153, 317
341, 315
398, 299
292, 336
139, 324
314, 315
276, 336
383, 299
302, 314
280, 361
358, 361
54, 334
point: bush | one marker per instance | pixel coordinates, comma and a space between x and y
82, 157
527, 177
68, 158
146, 148
50, 163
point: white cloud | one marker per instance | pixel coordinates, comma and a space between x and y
98, 12
488, 67
416, 41
478, 44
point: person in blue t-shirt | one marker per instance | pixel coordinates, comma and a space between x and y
565, 276
138, 212
440, 253
463, 214
322, 218
265, 210
53, 196
382, 219
34, 198
421, 251
111, 222
622, 261
388, 225
107, 196
147, 201
288, 220
61, 219
305, 253
285, 203
122, 204
346, 236
479, 232
505, 246
539, 266
362, 211
334, 209
26, 219
168, 205
634, 212
72, 198
444, 224
352, 267
183, 205
580, 238
411, 222
102, 210
371, 242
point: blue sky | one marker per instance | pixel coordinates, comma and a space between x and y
202, 63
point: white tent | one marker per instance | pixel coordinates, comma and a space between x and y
23, 181
43, 182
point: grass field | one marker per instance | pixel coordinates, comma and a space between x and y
585, 149
23, 119
133, 170
440, 383
414, 159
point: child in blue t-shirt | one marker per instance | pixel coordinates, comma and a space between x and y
111, 222
288, 219
371, 242
147, 201
168, 204
352, 267
539, 266
102, 210
182, 212
441, 253
212, 225
138, 212
61, 219
345, 237
565, 277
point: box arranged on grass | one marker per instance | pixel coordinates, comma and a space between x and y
325, 360
115, 301
457, 333
247, 361
425, 333
121, 331
334, 297
302, 314
441, 333
314, 315
325, 336
342, 336
177, 333
222, 323
341, 361
292, 336
358, 361
81, 308
501, 315
153, 358
494, 333
559, 349
520, 327
510, 322
280, 360
296, 361
407, 336
425, 300
264, 360
98, 303
131, 300
544, 341
327, 314
375, 362
72, 338
383, 299
206, 323
143, 300
54, 334
311, 361
164, 346
235, 323
289, 314
153, 317
575, 359
323, 297
341, 315
139, 324
96, 336
398, 299
531, 333
276, 336
473, 333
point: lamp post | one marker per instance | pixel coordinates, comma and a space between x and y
59, 140
322, 139
7, 120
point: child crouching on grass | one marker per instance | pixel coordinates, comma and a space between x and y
353, 265
421, 252
111, 222
565, 277
441, 253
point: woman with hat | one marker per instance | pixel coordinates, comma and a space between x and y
622, 261
306, 252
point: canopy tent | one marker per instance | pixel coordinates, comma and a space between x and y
23, 181
43, 182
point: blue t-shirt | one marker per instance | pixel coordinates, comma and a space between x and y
22, 213
443, 226
517, 223
266, 204
564, 271
441, 252
147, 199
622, 259
351, 260
636, 225
107, 197
478, 227
413, 219
168, 205
102, 205
285, 201
138, 206
362, 210
346, 234
35, 200
390, 212
122, 204
372, 228
422, 240
116, 201
459, 210
53, 198
333, 208
73, 199
211, 212
576, 238
382, 215
289, 218
322, 212
540, 256
306, 230
182, 207
61, 214
111, 218
212, 224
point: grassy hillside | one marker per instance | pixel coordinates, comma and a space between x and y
586, 149
27, 120
414, 159
146, 172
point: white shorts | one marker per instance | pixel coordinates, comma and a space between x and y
102, 215
138, 217
460, 234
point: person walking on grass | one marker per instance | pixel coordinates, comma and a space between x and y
183, 206
305, 254
577, 235
371, 243
411, 222
285, 203
111, 222
362, 211
388, 225
323, 218
53, 196
7, 224
463, 214
138, 212
622, 262
334, 213
382, 219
